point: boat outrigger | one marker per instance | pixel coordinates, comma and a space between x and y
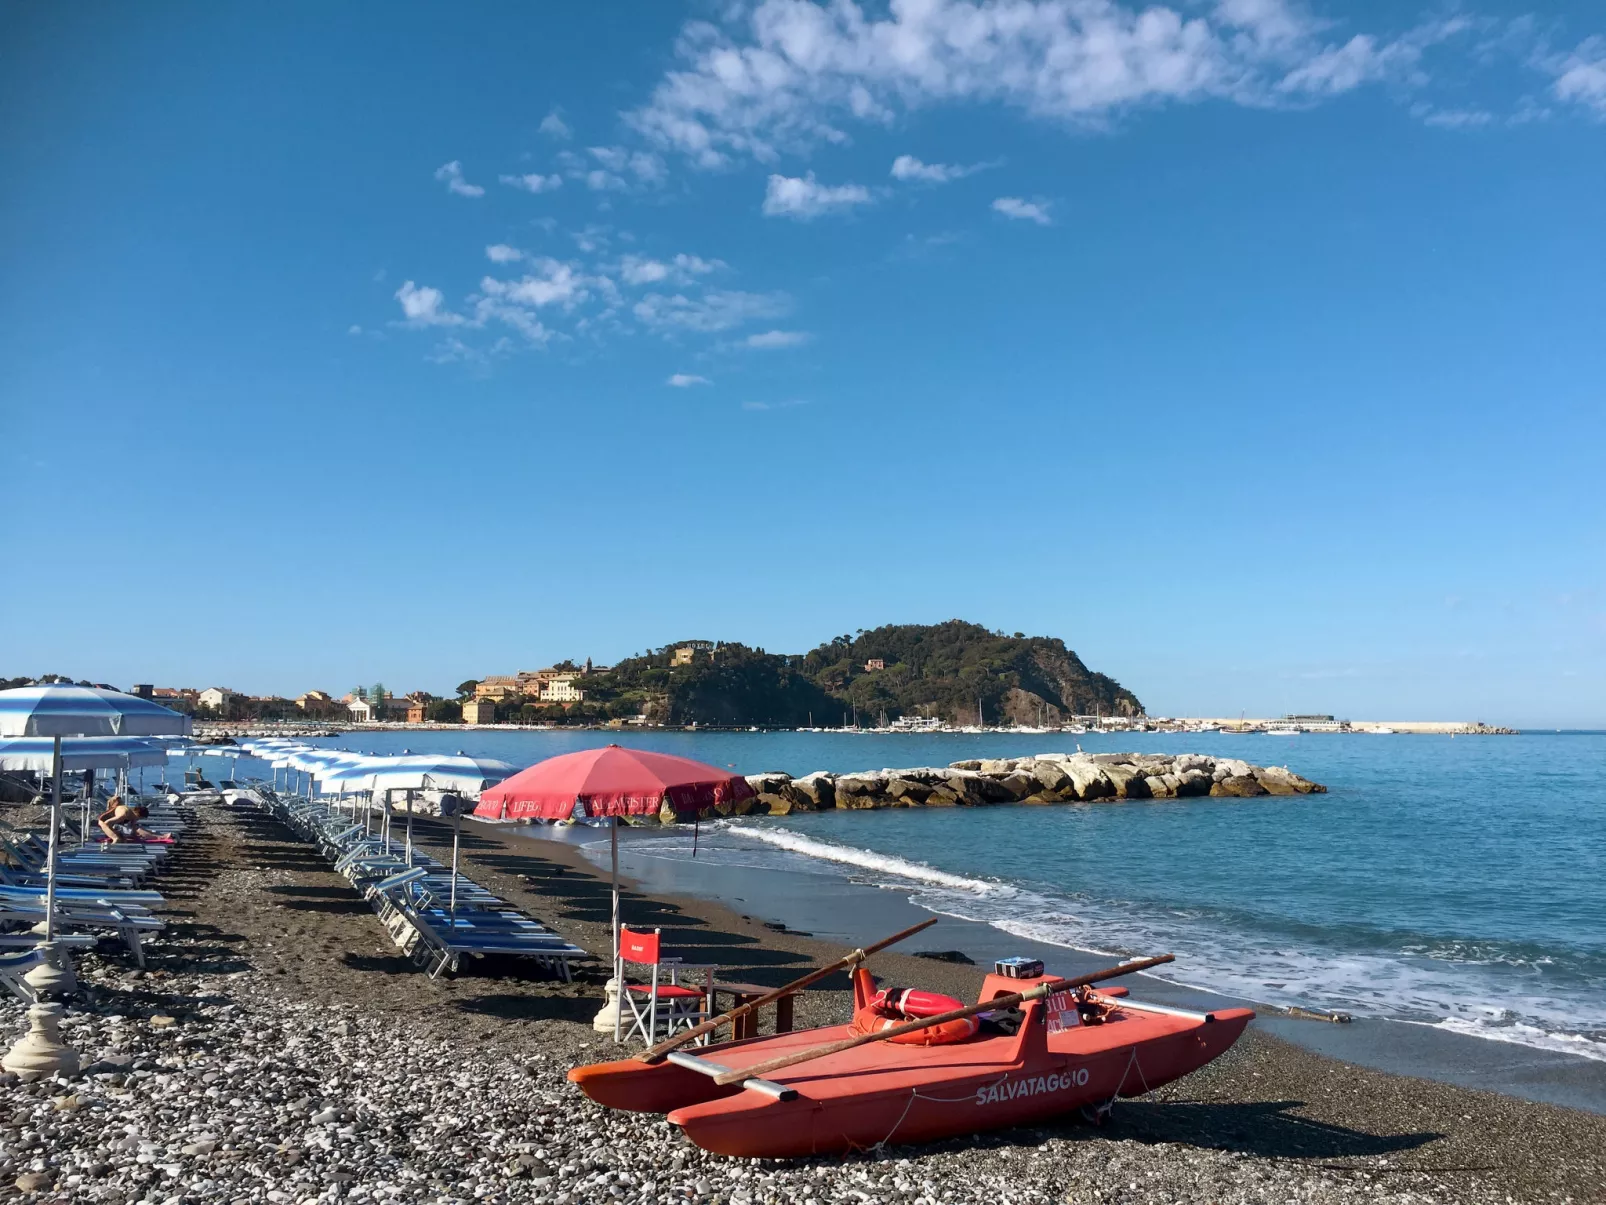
909, 1068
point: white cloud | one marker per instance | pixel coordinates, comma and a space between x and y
599, 180
785, 75
501, 253
714, 311
646, 167
553, 282
1581, 76
354, 329
637, 270
452, 174
425, 306
804, 197
1023, 210
554, 126
773, 405
684, 380
907, 167
533, 182
773, 339
1452, 119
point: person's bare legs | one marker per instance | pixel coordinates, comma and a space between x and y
111, 833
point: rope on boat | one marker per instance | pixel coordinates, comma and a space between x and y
914, 1095
1100, 1111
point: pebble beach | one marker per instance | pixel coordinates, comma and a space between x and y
278, 1049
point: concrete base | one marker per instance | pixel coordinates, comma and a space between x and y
40, 1052
608, 1015
53, 979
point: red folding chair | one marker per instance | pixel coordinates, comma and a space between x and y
663, 1005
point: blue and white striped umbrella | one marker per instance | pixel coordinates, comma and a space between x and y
60, 710
441, 772
35, 753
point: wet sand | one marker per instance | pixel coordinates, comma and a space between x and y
1267, 1099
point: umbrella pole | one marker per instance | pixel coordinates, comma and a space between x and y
55, 821
457, 832
409, 797
613, 831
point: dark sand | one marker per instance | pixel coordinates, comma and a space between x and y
286, 912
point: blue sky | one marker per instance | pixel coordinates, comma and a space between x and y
1257, 348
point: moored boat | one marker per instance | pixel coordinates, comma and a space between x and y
1072, 1050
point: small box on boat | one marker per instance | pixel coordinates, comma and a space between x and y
1018, 967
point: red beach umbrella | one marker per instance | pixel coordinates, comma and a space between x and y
611, 782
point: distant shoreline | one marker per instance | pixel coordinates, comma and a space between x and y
1233, 726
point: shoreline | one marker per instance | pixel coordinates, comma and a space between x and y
850, 914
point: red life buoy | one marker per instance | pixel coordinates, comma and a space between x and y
893, 1006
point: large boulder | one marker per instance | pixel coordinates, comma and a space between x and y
1241, 786
1019, 784
971, 764
966, 787
818, 788
1051, 777
996, 766
1193, 781
1231, 767
1156, 786
907, 792
1089, 780
1122, 777
1193, 761
860, 791
1278, 780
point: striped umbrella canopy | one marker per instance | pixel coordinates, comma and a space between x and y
353, 776
56, 709
35, 753
423, 772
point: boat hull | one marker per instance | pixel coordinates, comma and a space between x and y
882, 1094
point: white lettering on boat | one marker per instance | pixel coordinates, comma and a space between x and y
1031, 1085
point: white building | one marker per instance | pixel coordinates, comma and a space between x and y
360, 712
217, 697
561, 690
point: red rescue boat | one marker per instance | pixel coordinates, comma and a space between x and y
1072, 1050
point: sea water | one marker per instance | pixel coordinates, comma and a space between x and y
1456, 882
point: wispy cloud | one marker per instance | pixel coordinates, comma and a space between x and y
553, 126
712, 312
907, 167
770, 340
785, 76
501, 253
1581, 76
685, 380
533, 182
552, 282
640, 270
452, 174
1023, 210
804, 197
786, 405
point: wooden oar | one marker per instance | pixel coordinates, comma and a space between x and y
759, 1070
657, 1054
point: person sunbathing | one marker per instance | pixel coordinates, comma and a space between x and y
122, 823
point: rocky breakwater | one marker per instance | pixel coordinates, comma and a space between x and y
1045, 778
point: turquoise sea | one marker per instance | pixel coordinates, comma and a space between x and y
1454, 882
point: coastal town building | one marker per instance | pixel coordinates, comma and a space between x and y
142, 690
498, 688
219, 698
684, 653
479, 711
1316, 723
317, 705
417, 706
561, 690
359, 710
874, 663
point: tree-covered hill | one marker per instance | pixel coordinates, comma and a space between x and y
946, 670
950, 670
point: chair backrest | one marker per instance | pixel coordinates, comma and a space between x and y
638, 947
